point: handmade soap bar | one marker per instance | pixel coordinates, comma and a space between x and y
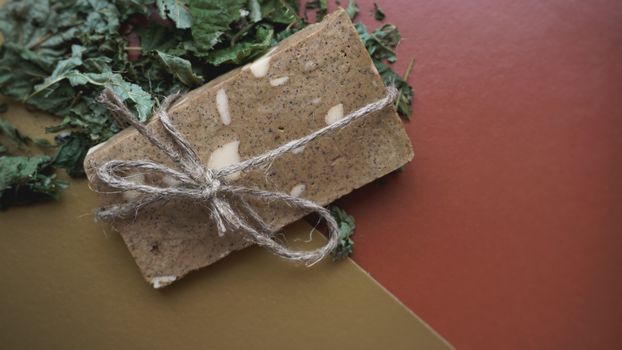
309, 80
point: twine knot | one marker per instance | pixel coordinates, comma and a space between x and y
211, 186
229, 208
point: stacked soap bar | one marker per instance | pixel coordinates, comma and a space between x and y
309, 80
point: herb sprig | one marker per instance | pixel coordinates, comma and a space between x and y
346, 230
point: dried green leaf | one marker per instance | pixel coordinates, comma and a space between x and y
72, 149
244, 51
352, 9
319, 6
177, 11
403, 103
155, 38
22, 69
380, 43
65, 69
43, 143
254, 13
180, 68
7, 129
139, 99
212, 19
378, 12
27, 179
347, 226
279, 11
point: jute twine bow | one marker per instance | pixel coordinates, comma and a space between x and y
210, 186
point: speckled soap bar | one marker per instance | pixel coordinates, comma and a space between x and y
309, 80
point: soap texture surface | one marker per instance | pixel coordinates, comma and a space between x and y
309, 80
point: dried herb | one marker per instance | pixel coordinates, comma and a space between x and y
176, 11
319, 6
346, 228
378, 13
352, 9
381, 45
27, 179
10, 132
24, 179
72, 148
405, 95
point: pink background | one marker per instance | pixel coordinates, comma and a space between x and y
506, 230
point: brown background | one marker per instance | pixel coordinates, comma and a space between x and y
505, 232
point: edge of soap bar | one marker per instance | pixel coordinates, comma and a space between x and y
163, 279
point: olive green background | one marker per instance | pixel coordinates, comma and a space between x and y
69, 283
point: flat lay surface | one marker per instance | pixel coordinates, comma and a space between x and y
504, 232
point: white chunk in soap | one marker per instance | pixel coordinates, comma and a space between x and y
225, 155
334, 114
260, 67
297, 190
162, 281
222, 104
279, 81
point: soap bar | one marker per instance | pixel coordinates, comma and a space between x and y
309, 80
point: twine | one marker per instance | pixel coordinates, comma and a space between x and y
210, 186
